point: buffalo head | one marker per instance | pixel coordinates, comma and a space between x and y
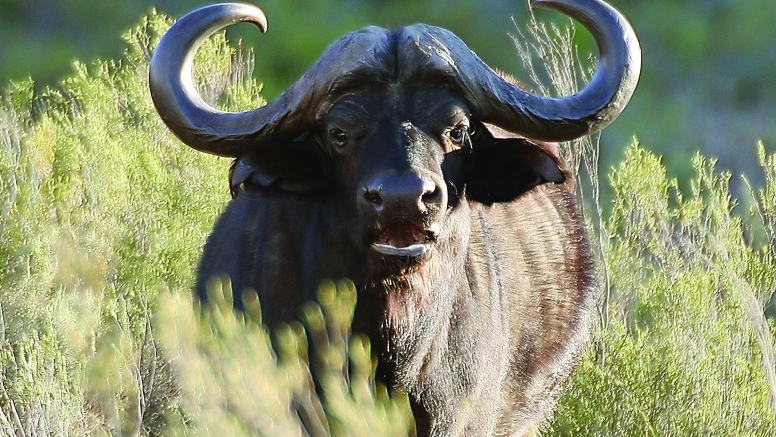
395, 123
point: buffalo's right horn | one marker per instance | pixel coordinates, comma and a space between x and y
496, 100
229, 134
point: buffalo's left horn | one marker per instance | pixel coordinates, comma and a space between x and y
231, 133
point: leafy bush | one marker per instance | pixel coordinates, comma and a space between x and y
102, 218
97, 209
684, 348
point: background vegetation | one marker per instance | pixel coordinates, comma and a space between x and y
103, 214
706, 85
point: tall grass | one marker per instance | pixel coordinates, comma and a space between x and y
687, 350
103, 214
101, 209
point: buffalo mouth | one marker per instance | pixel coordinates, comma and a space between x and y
405, 239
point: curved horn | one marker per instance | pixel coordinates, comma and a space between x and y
226, 133
497, 101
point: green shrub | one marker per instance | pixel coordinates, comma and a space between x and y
685, 349
103, 214
233, 382
98, 211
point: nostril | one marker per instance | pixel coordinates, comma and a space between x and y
373, 196
431, 196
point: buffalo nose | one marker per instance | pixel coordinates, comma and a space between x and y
409, 191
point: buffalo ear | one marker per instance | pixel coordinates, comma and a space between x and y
500, 170
291, 167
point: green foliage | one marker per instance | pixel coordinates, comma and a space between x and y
686, 349
235, 383
102, 218
706, 83
766, 199
98, 205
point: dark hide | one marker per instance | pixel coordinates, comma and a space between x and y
485, 326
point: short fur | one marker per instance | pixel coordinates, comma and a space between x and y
483, 330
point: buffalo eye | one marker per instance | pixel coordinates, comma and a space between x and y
459, 134
340, 138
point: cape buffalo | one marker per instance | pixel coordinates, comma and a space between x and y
401, 161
